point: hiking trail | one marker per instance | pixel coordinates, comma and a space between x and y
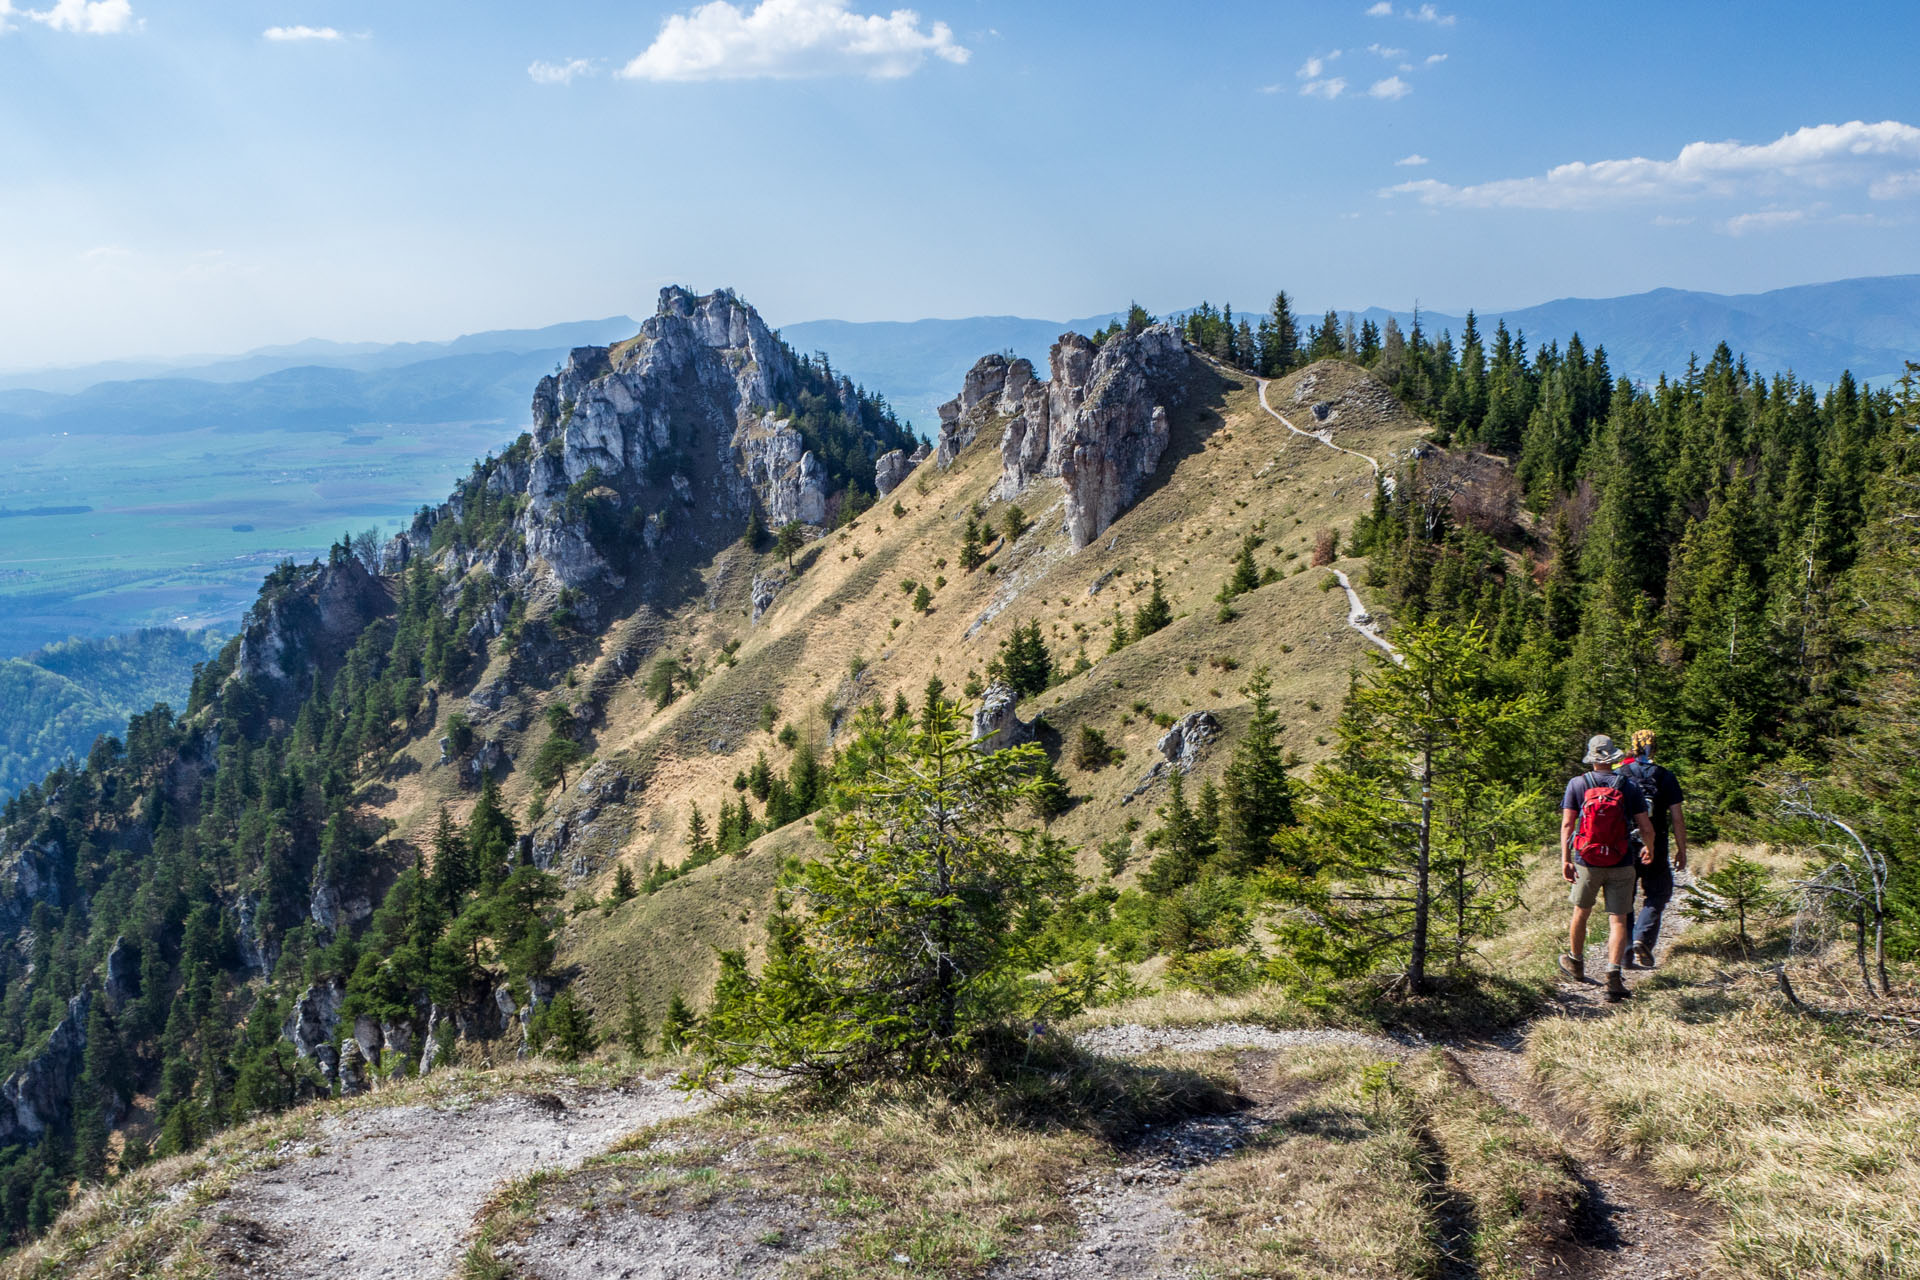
393, 1191
1358, 616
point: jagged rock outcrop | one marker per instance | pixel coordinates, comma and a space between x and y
765, 588
353, 1068
995, 724
29, 873
485, 759
1099, 423
889, 469
302, 626
1180, 748
994, 387
333, 908
37, 1095
120, 974
312, 1022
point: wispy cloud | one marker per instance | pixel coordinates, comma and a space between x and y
1668, 220
1764, 220
1390, 89
559, 72
1386, 51
1876, 159
1329, 88
791, 39
1425, 13
288, 34
83, 17
1408, 162
1435, 59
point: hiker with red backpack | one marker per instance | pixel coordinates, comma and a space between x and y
1597, 856
1664, 802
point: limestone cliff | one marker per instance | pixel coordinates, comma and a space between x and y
1099, 422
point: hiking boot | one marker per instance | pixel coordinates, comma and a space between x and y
1642, 955
1616, 986
1574, 967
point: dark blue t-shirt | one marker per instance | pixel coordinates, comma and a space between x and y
1634, 798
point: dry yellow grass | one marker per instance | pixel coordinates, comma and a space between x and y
1806, 1130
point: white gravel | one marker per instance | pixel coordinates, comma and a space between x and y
391, 1192
1130, 1040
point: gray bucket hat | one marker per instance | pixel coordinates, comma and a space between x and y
1600, 750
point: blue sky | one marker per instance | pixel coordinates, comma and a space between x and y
212, 176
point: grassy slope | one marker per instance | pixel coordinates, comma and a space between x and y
1229, 469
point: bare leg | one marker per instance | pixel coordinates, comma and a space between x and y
1577, 936
1619, 929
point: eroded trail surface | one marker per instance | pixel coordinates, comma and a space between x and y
392, 1191
1129, 1226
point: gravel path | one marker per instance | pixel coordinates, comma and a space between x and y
392, 1191
1130, 1040
1358, 615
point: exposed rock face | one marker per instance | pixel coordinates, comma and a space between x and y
29, 873
994, 387
330, 908
765, 589
1099, 423
312, 1022
353, 1068
36, 1097
1180, 748
995, 724
889, 469
121, 974
1181, 745
304, 625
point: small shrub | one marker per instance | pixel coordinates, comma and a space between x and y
1092, 750
1326, 547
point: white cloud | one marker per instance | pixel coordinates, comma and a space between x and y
1765, 220
1271, 88
1386, 52
1390, 89
1316, 66
1381, 10
1329, 88
86, 17
1870, 157
559, 72
1435, 59
1427, 13
1668, 220
301, 33
1408, 162
789, 39
1895, 186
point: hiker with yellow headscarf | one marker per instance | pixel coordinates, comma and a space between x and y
1655, 877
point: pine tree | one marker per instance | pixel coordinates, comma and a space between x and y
970, 553
1246, 574
699, 843
1155, 614
908, 950
1411, 845
678, 1026
1026, 664
789, 540
1737, 891
1256, 791
633, 1023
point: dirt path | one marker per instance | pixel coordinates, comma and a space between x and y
1358, 615
1635, 1229
392, 1191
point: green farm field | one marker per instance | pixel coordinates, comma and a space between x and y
102, 533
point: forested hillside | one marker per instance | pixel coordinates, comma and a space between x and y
56, 701
524, 779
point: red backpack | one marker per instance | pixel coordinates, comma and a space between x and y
1601, 838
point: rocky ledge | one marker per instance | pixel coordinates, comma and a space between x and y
1099, 422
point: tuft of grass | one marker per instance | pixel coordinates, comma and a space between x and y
1806, 1131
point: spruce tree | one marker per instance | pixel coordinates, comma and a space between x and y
1155, 614
1256, 791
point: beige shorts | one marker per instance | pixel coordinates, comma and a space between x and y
1615, 882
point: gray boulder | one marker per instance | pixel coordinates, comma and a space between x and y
353, 1068
765, 588
995, 724
313, 1022
889, 469
1180, 746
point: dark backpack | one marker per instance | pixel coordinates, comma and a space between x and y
1642, 776
1601, 837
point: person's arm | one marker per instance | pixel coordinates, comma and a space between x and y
1646, 837
1566, 844
1679, 837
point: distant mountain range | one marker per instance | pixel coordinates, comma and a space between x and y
1870, 326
